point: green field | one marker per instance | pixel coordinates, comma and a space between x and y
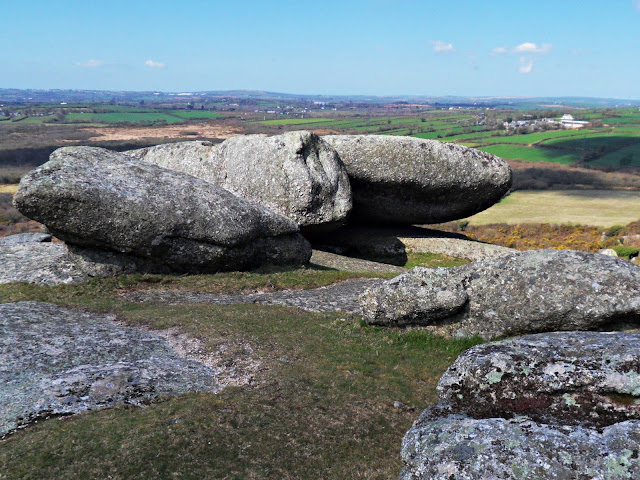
122, 117
602, 208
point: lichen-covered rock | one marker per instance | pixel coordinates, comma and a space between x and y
296, 174
60, 361
572, 378
526, 292
96, 198
413, 181
457, 447
25, 238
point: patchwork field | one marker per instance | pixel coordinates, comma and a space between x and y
602, 208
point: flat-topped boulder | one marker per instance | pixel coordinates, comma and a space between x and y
405, 180
296, 174
109, 201
524, 292
544, 406
62, 361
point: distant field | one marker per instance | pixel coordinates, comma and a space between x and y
121, 117
8, 188
602, 208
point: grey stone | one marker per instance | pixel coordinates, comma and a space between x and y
296, 174
609, 252
457, 447
525, 292
25, 238
571, 378
96, 198
341, 297
413, 181
60, 361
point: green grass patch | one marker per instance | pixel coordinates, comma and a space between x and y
533, 154
195, 114
322, 406
432, 260
122, 117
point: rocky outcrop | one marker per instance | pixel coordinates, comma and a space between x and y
20, 238
456, 447
107, 201
525, 292
545, 406
60, 361
572, 378
296, 174
408, 180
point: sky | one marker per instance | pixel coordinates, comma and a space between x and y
361, 47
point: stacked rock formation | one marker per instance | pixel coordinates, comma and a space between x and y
524, 292
297, 174
555, 405
405, 180
157, 219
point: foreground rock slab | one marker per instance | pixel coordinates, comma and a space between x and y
545, 406
572, 378
525, 292
406, 180
60, 361
296, 174
457, 447
96, 198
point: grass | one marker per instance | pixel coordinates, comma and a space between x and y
11, 188
533, 154
195, 114
585, 207
432, 260
123, 117
323, 405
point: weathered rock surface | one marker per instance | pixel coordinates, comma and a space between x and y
60, 361
296, 174
525, 292
571, 378
96, 198
25, 238
341, 297
407, 180
457, 447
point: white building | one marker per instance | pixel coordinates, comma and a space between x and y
568, 121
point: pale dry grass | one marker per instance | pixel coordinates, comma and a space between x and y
169, 131
602, 208
9, 188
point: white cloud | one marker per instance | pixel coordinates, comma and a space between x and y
92, 63
152, 64
526, 65
439, 46
499, 50
529, 47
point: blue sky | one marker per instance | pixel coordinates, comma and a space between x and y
371, 47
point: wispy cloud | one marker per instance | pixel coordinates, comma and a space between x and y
526, 65
92, 63
636, 3
440, 46
153, 64
499, 51
529, 47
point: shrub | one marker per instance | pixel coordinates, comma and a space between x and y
626, 252
614, 230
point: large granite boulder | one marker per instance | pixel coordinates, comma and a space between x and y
524, 292
21, 238
296, 174
562, 405
414, 181
96, 198
61, 361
